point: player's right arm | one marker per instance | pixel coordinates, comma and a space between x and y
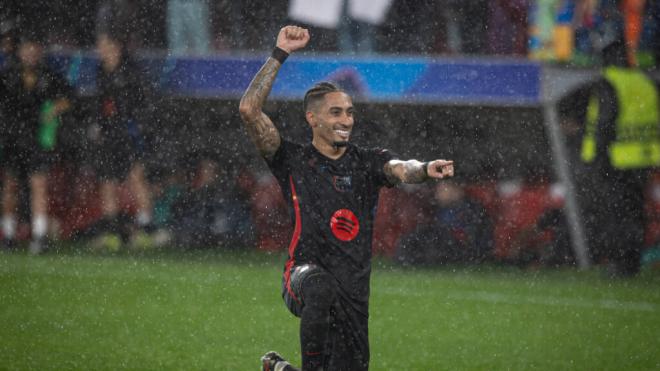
259, 126
413, 171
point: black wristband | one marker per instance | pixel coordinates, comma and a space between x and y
425, 166
279, 55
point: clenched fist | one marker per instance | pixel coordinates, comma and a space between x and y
440, 169
292, 38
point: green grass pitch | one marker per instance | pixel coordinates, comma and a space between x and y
222, 311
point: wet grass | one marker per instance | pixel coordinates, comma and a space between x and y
208, 310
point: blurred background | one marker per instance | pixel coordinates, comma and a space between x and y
495, 85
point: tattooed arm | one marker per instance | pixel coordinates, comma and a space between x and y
413, 171
260, 127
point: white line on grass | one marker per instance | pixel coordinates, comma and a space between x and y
502, 298
464, 295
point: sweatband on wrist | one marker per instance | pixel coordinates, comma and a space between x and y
425, 165
279, 55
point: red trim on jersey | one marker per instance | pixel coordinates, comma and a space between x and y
294, 240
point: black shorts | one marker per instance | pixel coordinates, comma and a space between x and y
349, 341
20, 160
113, 159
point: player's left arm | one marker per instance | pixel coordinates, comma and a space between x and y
413, 171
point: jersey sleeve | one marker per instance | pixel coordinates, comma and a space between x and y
377, 158
280, 164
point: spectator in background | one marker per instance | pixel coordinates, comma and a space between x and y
555, 26
166, 190
583, 25
359, 24
213, 210
188, 25
633, 17
546, 241
226, 34
636, 20
269, 211
460, 231
32, 99
620, 145
115, 136
557, 249
507, 27
608, 24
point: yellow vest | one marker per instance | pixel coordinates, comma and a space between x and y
637, 143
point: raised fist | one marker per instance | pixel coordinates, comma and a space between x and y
440, 169
292, 38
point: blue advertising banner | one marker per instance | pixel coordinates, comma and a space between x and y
376, 79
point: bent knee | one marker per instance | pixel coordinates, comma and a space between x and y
319, 289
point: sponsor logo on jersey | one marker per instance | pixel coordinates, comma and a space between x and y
345, 225
342, 183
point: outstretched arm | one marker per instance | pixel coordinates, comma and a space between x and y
413, 171
260, 127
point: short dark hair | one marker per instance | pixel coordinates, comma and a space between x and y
318, 91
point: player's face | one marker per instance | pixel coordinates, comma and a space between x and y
332, 120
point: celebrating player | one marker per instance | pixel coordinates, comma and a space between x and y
333, 188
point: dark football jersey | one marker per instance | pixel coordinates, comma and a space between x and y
21, 106
333, 204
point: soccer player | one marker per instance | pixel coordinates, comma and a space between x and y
32, 99
114, 136
333, 188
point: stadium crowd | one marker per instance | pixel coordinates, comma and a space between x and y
562, 30
206, 196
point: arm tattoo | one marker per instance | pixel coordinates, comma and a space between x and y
411, 171
260, 128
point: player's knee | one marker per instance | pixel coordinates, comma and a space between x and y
319, 290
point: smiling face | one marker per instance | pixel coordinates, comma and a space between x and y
331, 119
